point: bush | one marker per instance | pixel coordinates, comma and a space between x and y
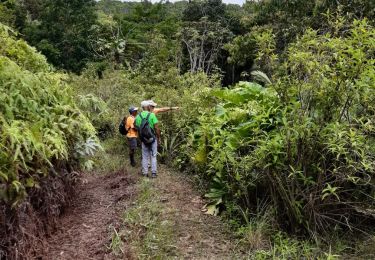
43, 136
119, 89
305, 143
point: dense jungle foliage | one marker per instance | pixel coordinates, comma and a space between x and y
298, 142
276, 122
43, 135
41, 123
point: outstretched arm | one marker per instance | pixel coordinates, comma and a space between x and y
165, 109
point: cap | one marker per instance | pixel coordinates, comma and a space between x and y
132, 109
144, 103
152, 103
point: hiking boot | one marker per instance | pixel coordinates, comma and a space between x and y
132, 160
144, 175
153, 175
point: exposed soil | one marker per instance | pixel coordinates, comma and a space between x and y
85, 229
23, 229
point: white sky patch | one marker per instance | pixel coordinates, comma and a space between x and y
239, 2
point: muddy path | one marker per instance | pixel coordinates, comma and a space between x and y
85, 229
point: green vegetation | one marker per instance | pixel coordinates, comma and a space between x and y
40, 121
116, 244
61, 30
297, 142
43, 132
276, 123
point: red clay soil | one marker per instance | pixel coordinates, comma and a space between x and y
85, 229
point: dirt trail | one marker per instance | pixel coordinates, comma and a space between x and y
199, 236
84, 231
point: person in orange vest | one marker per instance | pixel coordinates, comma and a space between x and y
132, 134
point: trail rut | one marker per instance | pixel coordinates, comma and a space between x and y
84, 231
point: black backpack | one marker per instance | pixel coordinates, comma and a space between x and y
121, 128
146, 133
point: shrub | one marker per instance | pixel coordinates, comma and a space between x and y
40, 122
306, 142
119, 89
43, 135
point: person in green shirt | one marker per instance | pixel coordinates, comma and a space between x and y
149, 151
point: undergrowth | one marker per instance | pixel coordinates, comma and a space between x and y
117, 244
44, 139
112, 158
303, 142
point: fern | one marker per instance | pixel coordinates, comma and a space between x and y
40, 122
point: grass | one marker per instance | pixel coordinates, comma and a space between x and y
113, 157
340, 246
284, 247
116, 245
147, 230
261, 237
262, 240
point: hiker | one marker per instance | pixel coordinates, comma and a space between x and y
149, 133
132, 134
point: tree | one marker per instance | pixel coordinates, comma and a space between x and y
127, 38
304, 143
289, 19
214, 10
203, 41
8, 12
61, 31
242, 51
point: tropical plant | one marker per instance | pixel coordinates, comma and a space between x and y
305, 141
42, 130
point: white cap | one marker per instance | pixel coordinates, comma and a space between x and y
152, 103
144, 103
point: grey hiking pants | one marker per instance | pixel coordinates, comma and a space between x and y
149, 152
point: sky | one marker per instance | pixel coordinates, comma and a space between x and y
239, 2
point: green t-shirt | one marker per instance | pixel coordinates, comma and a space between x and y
152, 120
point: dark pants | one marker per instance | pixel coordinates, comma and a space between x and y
132, 142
